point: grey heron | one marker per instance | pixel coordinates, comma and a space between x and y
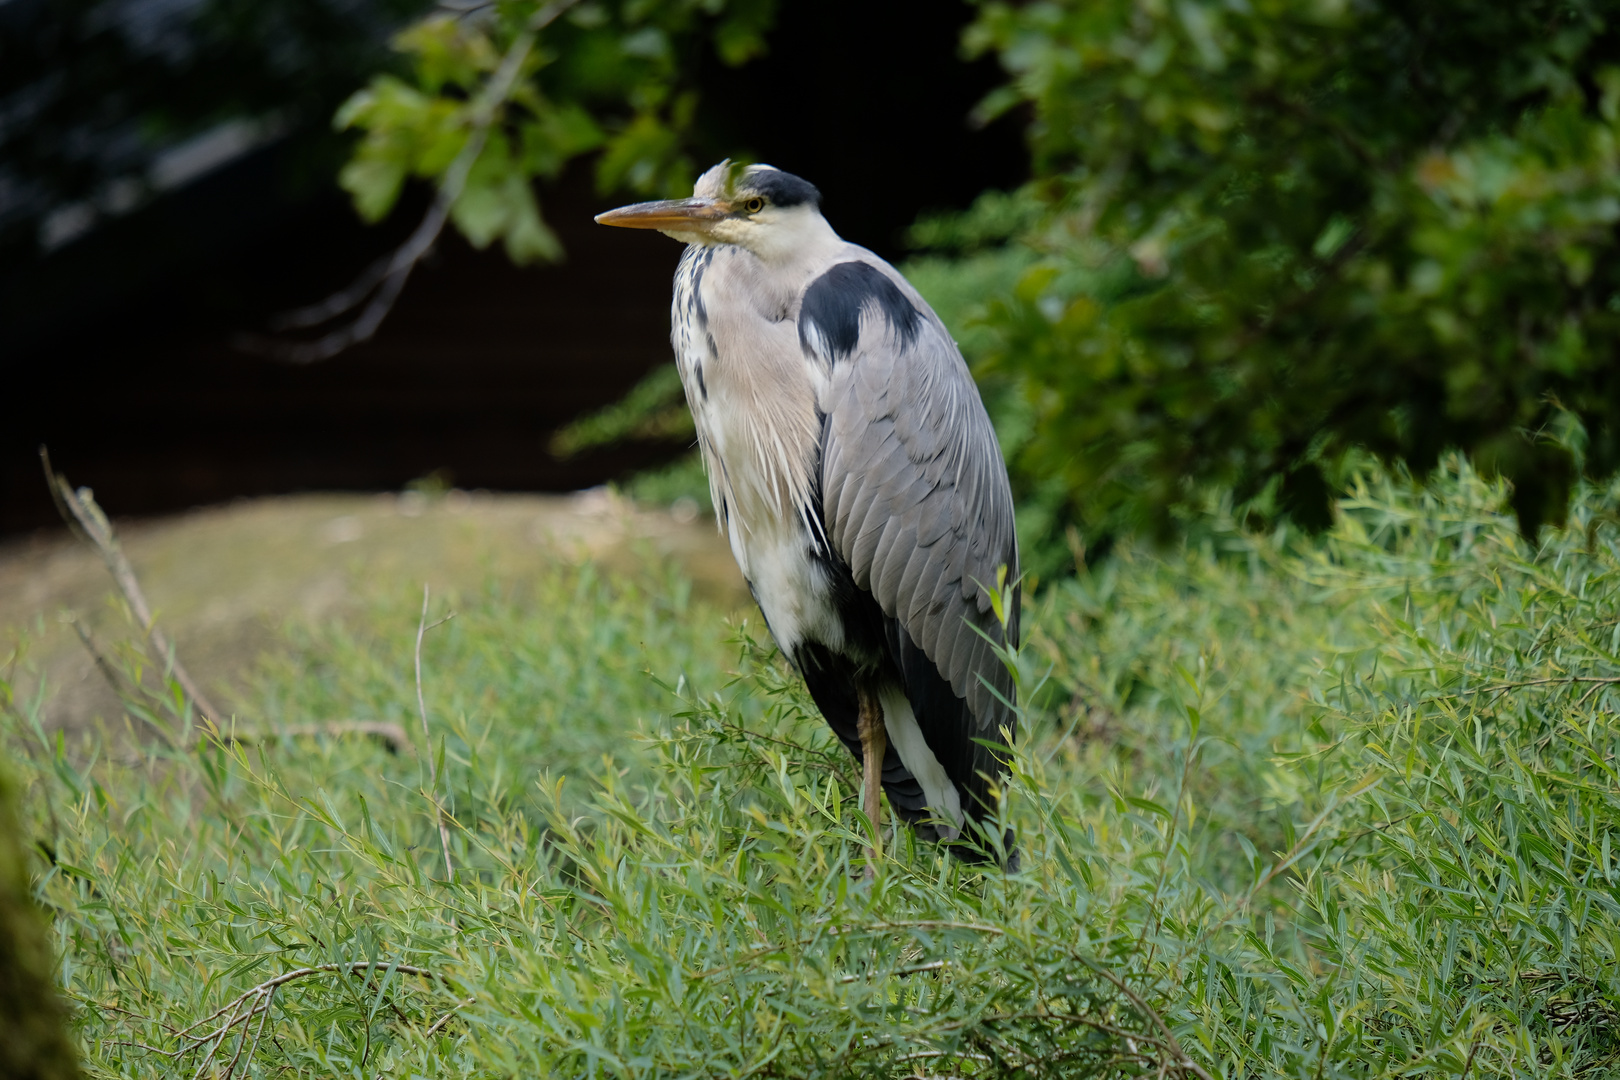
856, 475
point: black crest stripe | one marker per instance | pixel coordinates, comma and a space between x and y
782, 189
834, 301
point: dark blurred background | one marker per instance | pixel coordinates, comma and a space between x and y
118, 309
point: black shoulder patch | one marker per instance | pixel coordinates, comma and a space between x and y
783, 189
834, 301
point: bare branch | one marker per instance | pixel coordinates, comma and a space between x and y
1599, 681
350, 968
264, 1015
449, 1015
82, 510
256, 1002
218, 1039
340, 302
380, 284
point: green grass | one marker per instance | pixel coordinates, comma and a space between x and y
553, 673
1344, 808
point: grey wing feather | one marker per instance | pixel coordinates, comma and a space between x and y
917, 500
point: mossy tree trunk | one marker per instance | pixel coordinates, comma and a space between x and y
34, 1043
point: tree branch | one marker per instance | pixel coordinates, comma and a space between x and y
380, 284
240, 1012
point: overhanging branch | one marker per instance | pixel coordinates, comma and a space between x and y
374, 292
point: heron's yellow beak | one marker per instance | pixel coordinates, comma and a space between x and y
680, 215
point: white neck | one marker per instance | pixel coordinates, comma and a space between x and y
799, 232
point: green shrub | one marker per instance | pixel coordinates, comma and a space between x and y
1326, 811
1281, 232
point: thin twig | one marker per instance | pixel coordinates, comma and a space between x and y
219, 1038
380, 284
80, 507
433, 1029
264, 1015
1168, 1039
137, 1044
1598, 681
348, 968
421, 708
241, 1038
344, 300
803, 750
1500, 687
1169, 849
1581, 704
256, 1002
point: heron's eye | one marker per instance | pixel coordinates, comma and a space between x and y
754, 205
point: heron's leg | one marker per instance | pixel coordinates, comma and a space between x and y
874, 744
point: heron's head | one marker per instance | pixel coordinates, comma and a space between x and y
758, 207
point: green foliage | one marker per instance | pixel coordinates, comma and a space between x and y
529, 89
654, 409
1334, 811
555, 691
680, 483
1275, 231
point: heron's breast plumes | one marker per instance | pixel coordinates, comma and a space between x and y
752, 397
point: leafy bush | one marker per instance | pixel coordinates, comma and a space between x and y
1278, 231
1328, 811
